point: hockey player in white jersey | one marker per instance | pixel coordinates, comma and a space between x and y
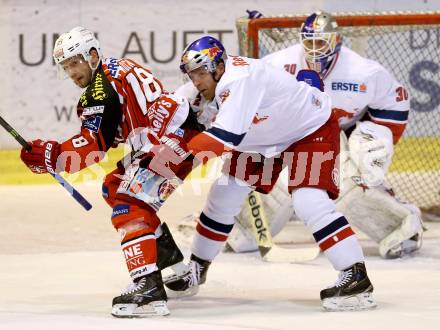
267, 120
372, 108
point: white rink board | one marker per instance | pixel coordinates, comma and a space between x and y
152, 32
61, 267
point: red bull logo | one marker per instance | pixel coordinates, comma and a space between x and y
224, 96
211, 53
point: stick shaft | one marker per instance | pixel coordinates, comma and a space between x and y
260, 224
14, 134
72, 191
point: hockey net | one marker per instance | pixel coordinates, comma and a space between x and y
408, 45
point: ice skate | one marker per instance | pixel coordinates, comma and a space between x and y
352, 291
187, 283
146, 297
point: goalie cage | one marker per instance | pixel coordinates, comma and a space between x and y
408, 45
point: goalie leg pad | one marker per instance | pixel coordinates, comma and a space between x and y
399, 241
381, 217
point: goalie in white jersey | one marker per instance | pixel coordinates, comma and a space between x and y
268, 120
372, 108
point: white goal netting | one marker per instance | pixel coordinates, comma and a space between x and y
408, 45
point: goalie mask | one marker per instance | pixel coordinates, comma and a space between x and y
78, 42
205, 52
321, 41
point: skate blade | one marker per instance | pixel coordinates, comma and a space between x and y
192, 291
155, 308
362, 301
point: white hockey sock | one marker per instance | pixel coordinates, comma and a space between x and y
330, 228
217, 219
345, 253
205, 248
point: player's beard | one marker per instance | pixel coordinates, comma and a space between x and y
83, 81
208, 95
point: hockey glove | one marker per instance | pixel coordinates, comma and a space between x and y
166, 157
254, 14
42, 158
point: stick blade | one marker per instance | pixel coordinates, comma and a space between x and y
264, 250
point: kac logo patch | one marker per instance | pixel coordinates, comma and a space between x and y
92, 123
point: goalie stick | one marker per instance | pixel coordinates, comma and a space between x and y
72, 191
268, 250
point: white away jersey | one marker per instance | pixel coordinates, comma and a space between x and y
264, 110
204, 109
355, 85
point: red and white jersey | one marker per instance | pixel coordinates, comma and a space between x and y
264, 110
356, 85
123, 103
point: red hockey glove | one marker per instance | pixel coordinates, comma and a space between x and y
42, 158
168, 156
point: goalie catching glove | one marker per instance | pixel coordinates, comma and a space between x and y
42, 156
371, 149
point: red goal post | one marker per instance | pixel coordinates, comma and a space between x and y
251, 27
408, 45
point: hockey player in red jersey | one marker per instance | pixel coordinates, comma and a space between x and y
124, 103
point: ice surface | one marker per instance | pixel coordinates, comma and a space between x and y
61, 266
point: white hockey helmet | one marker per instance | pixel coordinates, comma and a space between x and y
78, 41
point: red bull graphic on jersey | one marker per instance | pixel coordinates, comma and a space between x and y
258, 119
224, 96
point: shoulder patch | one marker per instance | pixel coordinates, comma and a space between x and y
92, 123
224, 96
179, 132
113, 66
93, 110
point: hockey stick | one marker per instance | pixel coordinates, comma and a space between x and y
268, 250
72, 191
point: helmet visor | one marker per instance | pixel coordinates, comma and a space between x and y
318, 45
70, 66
